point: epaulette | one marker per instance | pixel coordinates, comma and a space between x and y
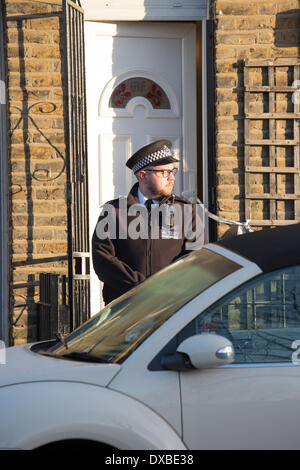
184, 200
174, 198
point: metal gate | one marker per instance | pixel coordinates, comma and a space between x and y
54, 313
77, 169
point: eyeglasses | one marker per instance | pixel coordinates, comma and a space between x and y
163, 173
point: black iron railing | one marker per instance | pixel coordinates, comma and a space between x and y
77, 168
53, 311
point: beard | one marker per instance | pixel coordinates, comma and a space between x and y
160, 190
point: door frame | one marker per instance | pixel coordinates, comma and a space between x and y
202, 166
198, 139
146, 10
95, 13
4, 295
187, 33
189, 128
197, 12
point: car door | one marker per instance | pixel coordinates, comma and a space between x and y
253, 403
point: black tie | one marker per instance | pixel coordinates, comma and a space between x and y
148, 204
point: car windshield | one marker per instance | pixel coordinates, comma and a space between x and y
117, 330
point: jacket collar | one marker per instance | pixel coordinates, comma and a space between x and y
132, 197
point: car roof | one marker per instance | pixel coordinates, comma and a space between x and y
270, 249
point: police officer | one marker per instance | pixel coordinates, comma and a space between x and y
122, 262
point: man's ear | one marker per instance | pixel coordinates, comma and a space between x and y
141, 175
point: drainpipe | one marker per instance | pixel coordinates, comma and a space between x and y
211, 128
3, 193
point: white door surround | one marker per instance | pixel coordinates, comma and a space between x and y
140, 14
163, 54
167, 57
145, 10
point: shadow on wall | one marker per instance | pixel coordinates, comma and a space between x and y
232, 230
25, 131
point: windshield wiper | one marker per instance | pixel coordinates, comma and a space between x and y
61, 340
76, 355
83, 356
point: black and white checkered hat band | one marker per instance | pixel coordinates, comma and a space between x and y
153, 157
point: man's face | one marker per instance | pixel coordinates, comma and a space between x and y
157, 181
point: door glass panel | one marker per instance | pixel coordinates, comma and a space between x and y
262, 318
139, 86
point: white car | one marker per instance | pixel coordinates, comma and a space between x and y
202, 355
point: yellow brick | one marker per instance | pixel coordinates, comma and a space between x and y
230, 38
266, 36
228, 7
227, 178
223, 164
267, 8
225, 52
226, 137
42, 51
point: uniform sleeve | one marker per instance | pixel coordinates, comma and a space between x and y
108, 267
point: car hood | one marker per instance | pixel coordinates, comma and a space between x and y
21, 365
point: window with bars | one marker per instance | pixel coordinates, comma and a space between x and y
272, 123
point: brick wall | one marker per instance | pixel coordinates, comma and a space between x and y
245, 29
38, 213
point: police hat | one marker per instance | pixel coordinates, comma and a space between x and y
156, 153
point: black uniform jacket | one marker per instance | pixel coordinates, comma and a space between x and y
122, 263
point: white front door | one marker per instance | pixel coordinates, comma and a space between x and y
141, 86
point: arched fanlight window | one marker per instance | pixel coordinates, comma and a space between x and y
139, 86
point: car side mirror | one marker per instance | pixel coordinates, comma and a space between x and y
202, 351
